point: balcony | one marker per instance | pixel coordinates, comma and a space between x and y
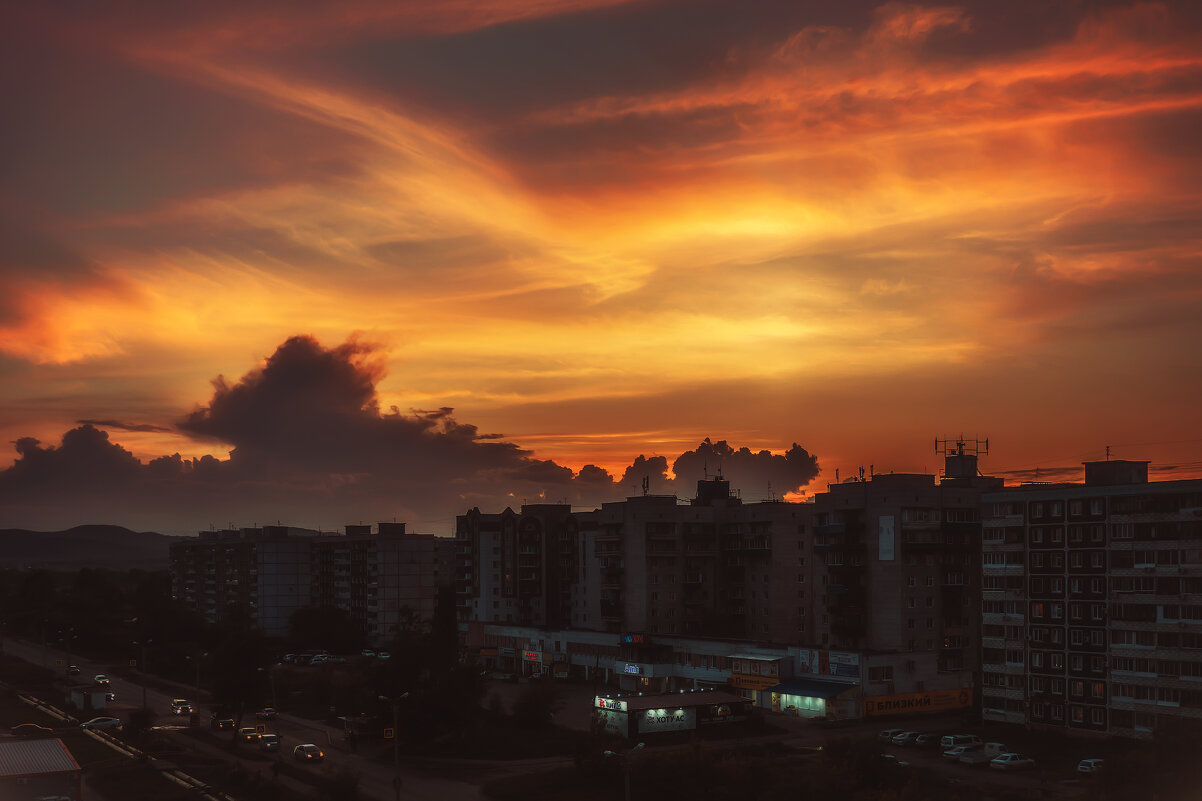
693, 579
829, 529
922, 539
612, 610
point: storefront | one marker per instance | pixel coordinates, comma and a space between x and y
641, 676
753, 675
816, 698
640, 716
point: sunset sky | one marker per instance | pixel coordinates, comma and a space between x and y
597, 229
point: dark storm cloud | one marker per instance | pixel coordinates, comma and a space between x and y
117, 424
310, 443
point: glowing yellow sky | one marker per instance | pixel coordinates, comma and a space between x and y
854, 230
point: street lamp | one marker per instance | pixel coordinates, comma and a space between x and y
626, 765
199, 655
396, 741
142, 667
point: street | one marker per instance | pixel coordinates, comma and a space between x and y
376, 779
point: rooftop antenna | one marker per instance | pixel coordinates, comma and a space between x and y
646, 485
1108, 453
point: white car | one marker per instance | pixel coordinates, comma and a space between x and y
954, 754
1090, 766
100, 680
101, 723
1011, 761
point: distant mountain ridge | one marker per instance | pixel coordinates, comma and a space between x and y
105, 546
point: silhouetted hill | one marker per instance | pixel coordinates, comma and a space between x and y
112, 547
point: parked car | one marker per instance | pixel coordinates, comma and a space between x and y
893, 760
983, 755
367, 652
181, 706
101, 723
1090, 766
1012, 761
308, 752
266, 713
30, 730
100, 680
248, 733
953, 740
72, 670
382, 655
905, 738
926, 740
269, 742
960, 750
888, 734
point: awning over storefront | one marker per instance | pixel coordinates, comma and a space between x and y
811, 688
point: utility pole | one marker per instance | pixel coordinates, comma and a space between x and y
626, 766
396, 742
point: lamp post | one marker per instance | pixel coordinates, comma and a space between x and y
625, 765
70, 636
142, 668
396, 741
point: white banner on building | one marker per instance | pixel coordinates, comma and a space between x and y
885, 543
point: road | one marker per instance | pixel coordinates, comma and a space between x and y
375, 779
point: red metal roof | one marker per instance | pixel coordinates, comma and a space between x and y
35, 757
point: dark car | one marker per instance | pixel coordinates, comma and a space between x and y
72, 670
307, 753
101, 723
248, 734
31, 730
221, 723
266, 713
926, 740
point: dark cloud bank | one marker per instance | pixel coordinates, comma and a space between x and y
311, 447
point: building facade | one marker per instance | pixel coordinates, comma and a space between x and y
1092, 602
273, 571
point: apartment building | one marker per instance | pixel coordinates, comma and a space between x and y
518, 567
897, 575
1091, 616
273, 571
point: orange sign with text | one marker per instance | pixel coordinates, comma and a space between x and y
936, 701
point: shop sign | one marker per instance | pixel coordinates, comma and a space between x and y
634, 669
747, 682
654, 720
837, 663
615, 704
532, 656
507, 651
488, 652
612, 721
936, 701
632, 639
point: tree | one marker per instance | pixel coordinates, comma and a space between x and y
325, 627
